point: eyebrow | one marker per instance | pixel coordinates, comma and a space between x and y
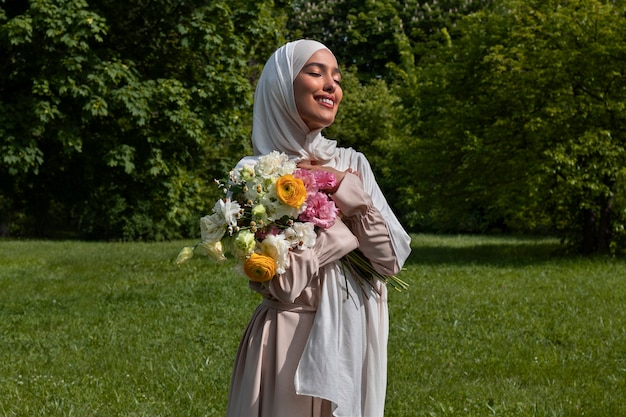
322, 66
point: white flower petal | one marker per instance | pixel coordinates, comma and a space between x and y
212, 228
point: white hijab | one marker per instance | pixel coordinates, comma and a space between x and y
277, 124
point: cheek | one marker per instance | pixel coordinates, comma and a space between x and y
303, 85
339, 97
301, 92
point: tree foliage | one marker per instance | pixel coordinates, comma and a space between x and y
520, 123
116, 117
371, 35
477, 115
369, 120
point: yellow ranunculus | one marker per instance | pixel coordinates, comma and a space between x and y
291, 190
260, 268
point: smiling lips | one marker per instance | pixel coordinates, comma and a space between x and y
326, 101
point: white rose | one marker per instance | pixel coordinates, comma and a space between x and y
287, 167
277, 247
273, 165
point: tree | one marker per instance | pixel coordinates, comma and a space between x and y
370, 35
116, 118
521, 123
370, 120
378, 42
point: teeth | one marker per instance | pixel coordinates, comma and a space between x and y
326, 100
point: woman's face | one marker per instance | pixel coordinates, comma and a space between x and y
317, 90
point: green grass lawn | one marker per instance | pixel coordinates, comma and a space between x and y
489, 327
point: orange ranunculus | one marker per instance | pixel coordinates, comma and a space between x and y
291, 190
260, 268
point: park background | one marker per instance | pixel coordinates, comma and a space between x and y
478, 116
496, 130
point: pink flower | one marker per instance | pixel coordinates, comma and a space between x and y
308, 178
320, 210
315, 181
325, 180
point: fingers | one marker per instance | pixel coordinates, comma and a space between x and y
312, 166
305, 165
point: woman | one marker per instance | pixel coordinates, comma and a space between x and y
317, 344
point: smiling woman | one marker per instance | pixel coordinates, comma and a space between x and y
309, 350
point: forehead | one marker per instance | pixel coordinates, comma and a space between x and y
323, 57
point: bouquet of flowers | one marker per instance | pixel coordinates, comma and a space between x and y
270, 208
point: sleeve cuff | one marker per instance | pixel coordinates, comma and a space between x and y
350, 197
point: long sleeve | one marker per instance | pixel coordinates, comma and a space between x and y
331, 245
367, 224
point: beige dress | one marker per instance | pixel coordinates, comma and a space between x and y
263, 378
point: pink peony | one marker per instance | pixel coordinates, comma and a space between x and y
320, 210
325, 180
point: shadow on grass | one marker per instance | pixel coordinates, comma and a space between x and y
473, 251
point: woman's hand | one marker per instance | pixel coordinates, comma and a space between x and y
313, 166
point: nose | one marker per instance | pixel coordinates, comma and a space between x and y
329, 84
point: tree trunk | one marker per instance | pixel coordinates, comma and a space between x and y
604, 227
588, 244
